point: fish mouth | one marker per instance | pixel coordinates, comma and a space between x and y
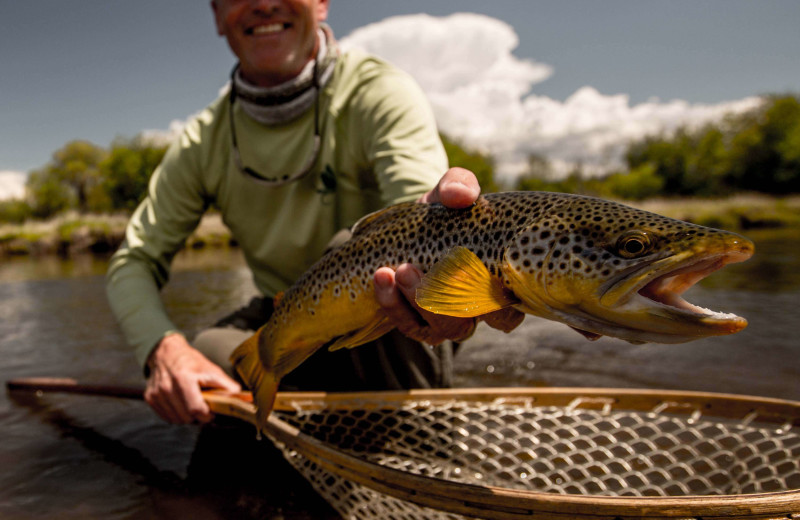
664, 290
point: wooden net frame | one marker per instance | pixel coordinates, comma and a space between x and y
512, 453
550, 453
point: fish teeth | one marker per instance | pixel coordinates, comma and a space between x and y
717, 314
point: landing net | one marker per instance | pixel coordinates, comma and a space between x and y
551, 453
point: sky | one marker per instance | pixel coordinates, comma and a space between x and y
571, 79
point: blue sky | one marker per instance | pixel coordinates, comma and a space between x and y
97, 69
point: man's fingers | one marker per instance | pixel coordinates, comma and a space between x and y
458, 188
177, 374
505, 319
192, 398
220, 381
160, 409
215, 377
160, 396
396, 293
178, 408
394, 305
191, 390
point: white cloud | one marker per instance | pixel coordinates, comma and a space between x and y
461, 53
481, 94
12, 184
164, 137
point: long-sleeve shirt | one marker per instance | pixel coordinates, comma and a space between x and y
378, 137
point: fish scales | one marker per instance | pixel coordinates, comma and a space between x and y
598, 266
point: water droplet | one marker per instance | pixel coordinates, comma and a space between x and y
490, 369
530, 365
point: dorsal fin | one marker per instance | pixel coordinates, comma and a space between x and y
366, 221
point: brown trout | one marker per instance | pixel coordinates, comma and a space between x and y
598, 266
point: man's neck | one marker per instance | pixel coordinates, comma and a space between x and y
273, 79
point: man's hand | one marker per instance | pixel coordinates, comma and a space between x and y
458, 188
177, 373
396, 291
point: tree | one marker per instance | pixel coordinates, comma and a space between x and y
47, 195
14, 211
76, 165
764, 152
638, 184
67, 180
127, 170
755, 151
668, 157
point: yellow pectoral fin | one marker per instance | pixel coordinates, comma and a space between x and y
460, 285
376, 328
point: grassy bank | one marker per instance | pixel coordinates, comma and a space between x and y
72, 233
739, 213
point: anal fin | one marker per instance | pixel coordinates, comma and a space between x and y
373, 330
591, 336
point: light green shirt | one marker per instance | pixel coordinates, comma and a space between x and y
379, 138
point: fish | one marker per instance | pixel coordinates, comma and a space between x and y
598, 266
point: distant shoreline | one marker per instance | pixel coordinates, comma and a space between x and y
72, 234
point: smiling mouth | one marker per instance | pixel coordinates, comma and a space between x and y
667, 289
271, 28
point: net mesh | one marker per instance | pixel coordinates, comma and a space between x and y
549, 449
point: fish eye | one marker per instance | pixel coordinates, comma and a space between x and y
634, 244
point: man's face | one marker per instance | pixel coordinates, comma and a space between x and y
273, 39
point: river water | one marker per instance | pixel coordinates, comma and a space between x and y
83, 457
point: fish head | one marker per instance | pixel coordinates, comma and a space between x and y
608, 269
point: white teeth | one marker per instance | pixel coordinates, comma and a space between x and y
268, 29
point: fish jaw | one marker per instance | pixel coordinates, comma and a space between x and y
641, 304
652, 296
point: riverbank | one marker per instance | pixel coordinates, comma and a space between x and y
738, 213
72, 233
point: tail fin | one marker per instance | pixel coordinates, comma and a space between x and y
262, 382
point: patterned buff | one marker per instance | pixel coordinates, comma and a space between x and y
288, 101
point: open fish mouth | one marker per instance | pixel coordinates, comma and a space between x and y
666, 289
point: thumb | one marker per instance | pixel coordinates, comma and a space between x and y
219, 380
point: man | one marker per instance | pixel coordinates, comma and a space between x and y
307, 141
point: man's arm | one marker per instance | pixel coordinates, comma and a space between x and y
157, 230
